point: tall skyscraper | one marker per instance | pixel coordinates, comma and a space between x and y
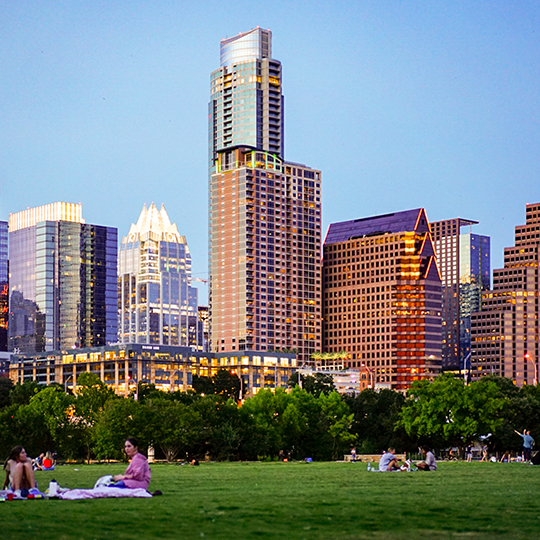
63, 291
382, 297
246, 105
464, 261
4, 285
505, 331
158, 305
264, 213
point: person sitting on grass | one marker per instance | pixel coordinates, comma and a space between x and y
19, 471
388, 461
138, 473
48, 462
37, 463
505, 458
429, 463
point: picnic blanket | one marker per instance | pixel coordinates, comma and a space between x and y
103, 493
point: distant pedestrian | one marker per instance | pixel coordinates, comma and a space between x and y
484, 453
468, 453
353, 455
528, 443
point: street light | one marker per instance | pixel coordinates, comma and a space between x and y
65, 383
527, 358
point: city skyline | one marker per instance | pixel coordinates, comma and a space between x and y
400, 106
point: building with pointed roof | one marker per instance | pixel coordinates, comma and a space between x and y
157, 302
382, 298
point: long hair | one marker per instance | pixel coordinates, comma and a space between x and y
14, 454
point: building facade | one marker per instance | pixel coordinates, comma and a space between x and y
157, 303
169, 368
4, 285
63, 292
464, 260
505, 331
264, 212
246, 103
382, 298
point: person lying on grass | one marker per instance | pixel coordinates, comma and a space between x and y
429, 463
138, 473
19, 471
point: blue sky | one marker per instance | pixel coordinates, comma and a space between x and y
401, 104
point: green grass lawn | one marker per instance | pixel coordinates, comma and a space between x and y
291, 501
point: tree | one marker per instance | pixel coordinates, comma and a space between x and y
226, 384
376, 414
122, 418
313, 384
56, 408
175, 427
203, 385
21, 394
5, 388
92, 396
445, 411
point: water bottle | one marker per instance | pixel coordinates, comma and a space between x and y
53, 488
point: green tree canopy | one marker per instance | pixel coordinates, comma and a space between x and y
446, 411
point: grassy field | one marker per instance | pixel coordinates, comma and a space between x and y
291, 501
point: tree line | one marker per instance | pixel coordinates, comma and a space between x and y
313, 421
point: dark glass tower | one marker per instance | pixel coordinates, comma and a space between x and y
63, 291
464, 261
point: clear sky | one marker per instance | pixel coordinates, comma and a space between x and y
401, 104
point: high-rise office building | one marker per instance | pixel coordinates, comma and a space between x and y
382, 297
464, 261
246, 105
63, 291
505, 331
4, 285
157, 303
264, 213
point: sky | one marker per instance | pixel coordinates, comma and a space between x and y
400, 104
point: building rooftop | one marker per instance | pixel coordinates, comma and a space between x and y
371, 226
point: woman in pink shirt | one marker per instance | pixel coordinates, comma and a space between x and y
138, 474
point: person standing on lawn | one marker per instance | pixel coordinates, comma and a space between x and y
528, 443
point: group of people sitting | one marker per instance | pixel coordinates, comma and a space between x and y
20, 479
389, 461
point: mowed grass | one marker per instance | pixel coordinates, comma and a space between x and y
290, 501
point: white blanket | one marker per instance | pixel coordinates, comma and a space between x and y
103, 492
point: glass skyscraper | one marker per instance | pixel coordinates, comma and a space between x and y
62, 280
464, 260
264, 212
246, 105
157, 303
